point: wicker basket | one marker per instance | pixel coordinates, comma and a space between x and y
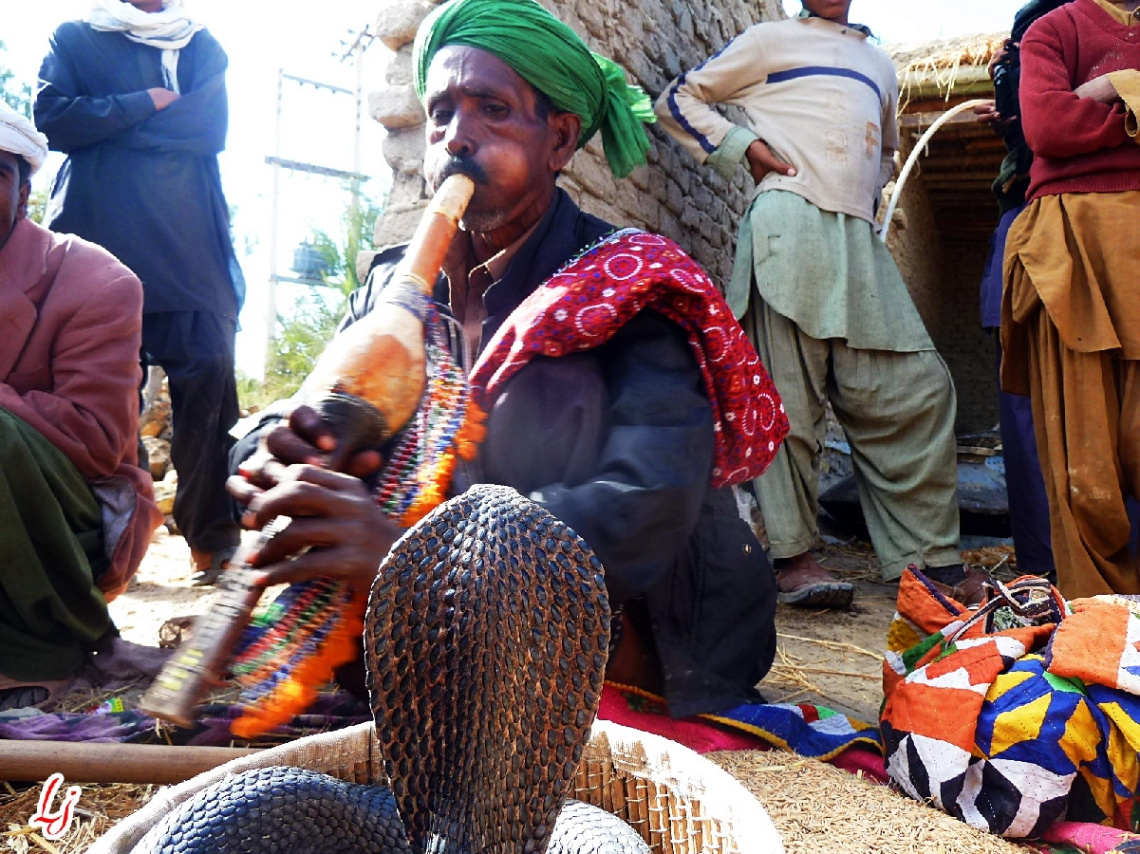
678, 801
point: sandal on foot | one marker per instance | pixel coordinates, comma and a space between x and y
17, 694
812, 587
210, 566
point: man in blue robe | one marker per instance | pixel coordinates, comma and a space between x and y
135, 95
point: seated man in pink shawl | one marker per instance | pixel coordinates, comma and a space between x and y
76, 511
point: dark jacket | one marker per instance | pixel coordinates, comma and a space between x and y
673, 547
1013, 179
143, 183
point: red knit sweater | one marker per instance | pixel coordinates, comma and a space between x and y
1079, 145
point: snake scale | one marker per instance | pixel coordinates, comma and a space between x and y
485, 645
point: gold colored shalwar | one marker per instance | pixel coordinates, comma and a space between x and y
1071, 340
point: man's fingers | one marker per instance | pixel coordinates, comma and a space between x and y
303, 490
762, 160
289, 447
306, 548
242, 489
262, 469
308, 424
365, 463
774, 164
293, 540
312, 564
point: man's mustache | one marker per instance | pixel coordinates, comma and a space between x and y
460, 165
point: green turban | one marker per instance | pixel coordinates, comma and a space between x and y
551, 57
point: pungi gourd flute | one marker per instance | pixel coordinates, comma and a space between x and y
367, 384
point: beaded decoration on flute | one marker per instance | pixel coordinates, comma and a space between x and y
315, 626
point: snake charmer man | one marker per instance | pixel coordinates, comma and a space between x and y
620, 393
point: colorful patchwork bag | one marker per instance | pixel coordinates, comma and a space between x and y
1018, 714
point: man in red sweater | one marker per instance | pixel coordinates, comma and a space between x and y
1071, 305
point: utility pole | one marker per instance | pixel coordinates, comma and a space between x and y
354, 48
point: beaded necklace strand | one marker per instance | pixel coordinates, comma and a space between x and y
315, 626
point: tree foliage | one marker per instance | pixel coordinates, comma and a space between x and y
358, 224
301, 336
305, 329
16, 95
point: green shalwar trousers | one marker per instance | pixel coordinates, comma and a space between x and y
51, 552
897, 410
823, 303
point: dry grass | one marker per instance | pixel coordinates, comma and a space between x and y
941, 63
853, 562
819, 809
795, 677
99, 809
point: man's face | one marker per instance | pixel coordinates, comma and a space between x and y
833, 10
485, 121
13, 193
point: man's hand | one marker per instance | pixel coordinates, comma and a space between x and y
1099, 89
162, 98
305, 438
988, 116
335, 528
761, 161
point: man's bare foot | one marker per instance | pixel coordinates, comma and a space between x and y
802, 582
965, 584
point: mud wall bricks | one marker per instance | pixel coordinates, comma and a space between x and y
654, 41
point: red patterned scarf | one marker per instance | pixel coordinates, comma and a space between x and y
592, 297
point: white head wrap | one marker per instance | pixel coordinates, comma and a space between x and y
169, 30
19, 136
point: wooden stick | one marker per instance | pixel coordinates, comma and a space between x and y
34, 761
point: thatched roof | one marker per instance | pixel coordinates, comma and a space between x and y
960, 162
944, 68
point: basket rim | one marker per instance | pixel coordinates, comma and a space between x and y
632, 752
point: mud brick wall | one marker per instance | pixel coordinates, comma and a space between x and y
944, 279
653, 41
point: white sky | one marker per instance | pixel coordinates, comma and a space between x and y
317, 126
895, 21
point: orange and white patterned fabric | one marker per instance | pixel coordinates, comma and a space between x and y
1020, 714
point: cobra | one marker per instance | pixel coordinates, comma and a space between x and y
485, 646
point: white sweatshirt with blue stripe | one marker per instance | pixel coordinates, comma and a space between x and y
818, 93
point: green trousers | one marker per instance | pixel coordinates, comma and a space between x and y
898, 412
51, 548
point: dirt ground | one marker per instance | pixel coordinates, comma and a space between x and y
827, 657
834, 658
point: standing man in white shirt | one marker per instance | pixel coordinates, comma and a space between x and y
821, 296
